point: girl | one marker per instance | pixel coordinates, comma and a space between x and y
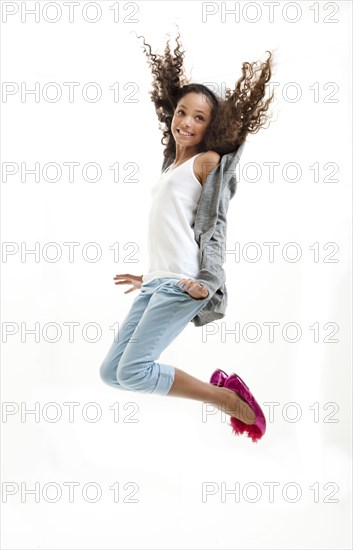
203, 137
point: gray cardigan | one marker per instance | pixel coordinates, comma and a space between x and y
210, 229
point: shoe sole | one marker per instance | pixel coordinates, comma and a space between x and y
256, 430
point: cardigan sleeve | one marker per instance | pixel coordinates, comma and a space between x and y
213, 253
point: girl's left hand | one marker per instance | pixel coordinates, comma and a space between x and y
193, 288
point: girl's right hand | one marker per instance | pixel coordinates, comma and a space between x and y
128, 279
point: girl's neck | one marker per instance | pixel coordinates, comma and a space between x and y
184, 154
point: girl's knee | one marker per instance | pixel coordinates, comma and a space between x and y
123, 378
134, 377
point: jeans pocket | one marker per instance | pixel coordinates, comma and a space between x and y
175, 284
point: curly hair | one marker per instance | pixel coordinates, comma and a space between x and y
242, 111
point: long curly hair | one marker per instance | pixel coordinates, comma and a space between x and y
242, 111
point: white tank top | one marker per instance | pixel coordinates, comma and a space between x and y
172, 248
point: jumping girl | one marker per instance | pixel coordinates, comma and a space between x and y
203, 136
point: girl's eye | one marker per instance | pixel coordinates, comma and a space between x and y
197, 116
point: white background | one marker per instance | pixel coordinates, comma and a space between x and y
172, 453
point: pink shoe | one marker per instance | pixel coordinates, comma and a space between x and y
258, 428
218, 377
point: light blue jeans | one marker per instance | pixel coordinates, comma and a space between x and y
157, 315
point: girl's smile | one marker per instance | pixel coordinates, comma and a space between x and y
184, 133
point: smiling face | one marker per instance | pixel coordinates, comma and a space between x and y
190, 120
